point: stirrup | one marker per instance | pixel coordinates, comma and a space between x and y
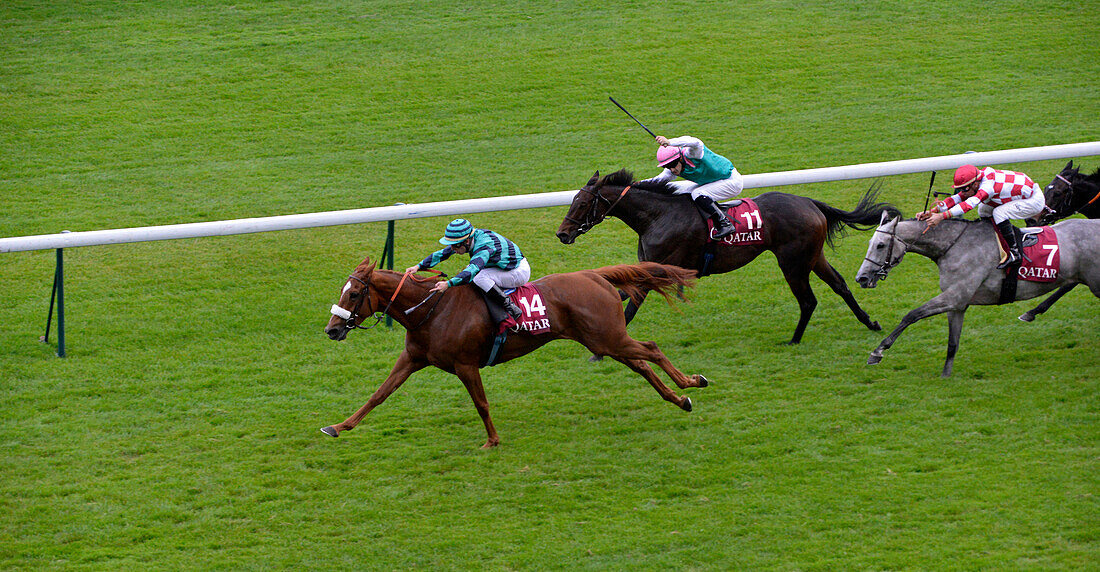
1011, 260
722, 231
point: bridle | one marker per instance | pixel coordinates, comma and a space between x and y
1069, 197
889, 262
591, 217
351, 317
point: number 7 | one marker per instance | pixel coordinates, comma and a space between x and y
1053, 248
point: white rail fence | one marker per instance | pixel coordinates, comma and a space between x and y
559, 198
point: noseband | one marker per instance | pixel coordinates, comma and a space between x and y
351, 317
592, 218
1069, 196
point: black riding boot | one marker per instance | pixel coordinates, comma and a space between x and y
1014, 256
505, 302
722, 225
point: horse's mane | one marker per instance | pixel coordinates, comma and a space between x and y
1093, 179
624, 177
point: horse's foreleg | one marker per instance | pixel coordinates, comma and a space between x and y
1045, 305
471, 378
643, 369
830, 276
404, 367
632, 308
954, 332
807, 302
937, 305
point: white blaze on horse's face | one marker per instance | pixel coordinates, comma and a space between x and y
337, 310
882, 253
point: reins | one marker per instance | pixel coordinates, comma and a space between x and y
889, 262
351, 317
591, 218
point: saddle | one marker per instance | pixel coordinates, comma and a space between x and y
533, 321
1041, 260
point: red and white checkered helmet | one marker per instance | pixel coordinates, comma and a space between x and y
965, 175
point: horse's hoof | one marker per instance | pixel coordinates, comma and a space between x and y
595, 359
703, 382
686, 405
874, 359
1028, 317
875, 327
330, 431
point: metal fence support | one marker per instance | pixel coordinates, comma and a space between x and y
388, 262
58, 294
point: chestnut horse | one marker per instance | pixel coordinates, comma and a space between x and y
671, 231
453, 332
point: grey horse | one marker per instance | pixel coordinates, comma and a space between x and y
966, 254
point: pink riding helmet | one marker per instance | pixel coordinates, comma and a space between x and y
669, 154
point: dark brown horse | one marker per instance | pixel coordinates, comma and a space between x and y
671, 231
453, 332
1071, 192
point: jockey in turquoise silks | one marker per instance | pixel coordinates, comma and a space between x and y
495, 262
709, 177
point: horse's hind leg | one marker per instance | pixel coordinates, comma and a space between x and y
624, 347
401, 371
830, 276
631, 310
643, 369
1045, 305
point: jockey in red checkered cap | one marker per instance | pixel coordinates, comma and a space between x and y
709, 177
1000, 195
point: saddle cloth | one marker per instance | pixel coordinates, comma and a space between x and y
746, 219
535, 320
1040, 248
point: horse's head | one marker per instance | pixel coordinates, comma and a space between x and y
592, 203
1059, 195
883, 253
356, 303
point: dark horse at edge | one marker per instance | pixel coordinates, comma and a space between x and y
671, 231
1069, 193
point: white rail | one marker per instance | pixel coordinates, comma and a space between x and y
559, 198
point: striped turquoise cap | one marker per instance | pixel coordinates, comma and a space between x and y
458, 230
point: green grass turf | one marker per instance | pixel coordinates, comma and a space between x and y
181, 431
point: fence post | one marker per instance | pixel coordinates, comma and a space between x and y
57, 293
388, 263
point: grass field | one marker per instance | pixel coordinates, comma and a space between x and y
181, 430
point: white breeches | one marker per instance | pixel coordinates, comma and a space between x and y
1018, 209
514, 278
723, 190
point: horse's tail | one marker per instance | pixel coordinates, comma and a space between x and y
866, 215
636, 279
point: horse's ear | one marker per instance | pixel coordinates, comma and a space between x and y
594, 179
1068, 165
367, 266
885, 217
